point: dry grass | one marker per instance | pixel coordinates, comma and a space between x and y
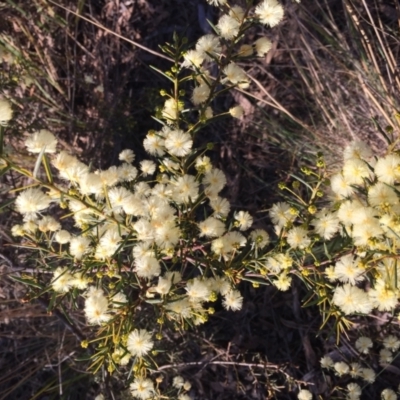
345, 70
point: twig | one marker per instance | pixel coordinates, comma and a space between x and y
7, 260
60, 381
18, 268
202, 363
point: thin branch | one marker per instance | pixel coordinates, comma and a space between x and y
202, 363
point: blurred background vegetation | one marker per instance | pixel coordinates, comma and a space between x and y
81, 69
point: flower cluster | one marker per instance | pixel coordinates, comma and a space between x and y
361, 210
154, 242
367, 204
154, 233
360, 370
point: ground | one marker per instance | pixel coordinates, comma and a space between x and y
318, 88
